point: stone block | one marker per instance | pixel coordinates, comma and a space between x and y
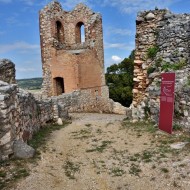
22, 150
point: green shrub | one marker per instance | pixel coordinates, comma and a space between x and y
150, 70
158, 62
176, 66
152, 51
177, 127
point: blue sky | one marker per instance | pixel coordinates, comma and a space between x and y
19, 28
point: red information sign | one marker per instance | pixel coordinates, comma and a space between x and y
167, 102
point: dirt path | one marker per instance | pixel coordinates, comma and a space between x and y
96, 152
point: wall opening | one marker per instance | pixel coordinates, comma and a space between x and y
60, 31
80, 32
59, 86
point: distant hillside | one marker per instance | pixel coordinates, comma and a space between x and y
30, 84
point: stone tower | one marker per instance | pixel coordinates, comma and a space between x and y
68, 63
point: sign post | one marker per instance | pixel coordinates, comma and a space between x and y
167, 97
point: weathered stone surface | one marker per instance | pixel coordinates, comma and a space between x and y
119, 109
59, 121
7, 71
22, 150
150, 16
179, 145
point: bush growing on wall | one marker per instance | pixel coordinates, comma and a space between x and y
152, 51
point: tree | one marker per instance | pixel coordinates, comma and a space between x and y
119, 78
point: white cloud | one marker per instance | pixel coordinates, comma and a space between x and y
125, 46
130, 6
5, 1
25, 69
116, 58
21, 46
120, 31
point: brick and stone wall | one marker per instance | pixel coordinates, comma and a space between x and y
170, 34
67, 61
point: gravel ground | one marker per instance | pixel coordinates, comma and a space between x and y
98, 152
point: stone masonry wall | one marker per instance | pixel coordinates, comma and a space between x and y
80, 65
171, 36
20, 116
146, 34
7, 71
83, 101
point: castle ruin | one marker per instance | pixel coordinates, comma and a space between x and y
68, 63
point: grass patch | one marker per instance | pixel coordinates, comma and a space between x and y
88, 125
2, 174
140, 126
164, 170
82, 134
147, 156
135, 169
117, 172
11, 171
40, 137
71, 168
100, 148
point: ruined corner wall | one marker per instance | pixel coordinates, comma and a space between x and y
80, 65
170, 34
20, 116
147, 23
7, 71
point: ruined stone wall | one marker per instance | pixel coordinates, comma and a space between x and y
84, 101
171, 37
146, 35
79, 64
7, 71
20, 116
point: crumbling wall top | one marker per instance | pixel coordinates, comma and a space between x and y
7, 71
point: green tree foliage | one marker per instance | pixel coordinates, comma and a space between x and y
119, 78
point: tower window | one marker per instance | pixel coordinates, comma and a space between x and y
60, 31
80, 32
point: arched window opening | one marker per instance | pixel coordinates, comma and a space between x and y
59, 86
80, 32
60, 32
82, 29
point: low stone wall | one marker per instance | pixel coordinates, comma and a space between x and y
20, 116
86, 101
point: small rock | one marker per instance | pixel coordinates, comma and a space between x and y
59, 121
22, 150
186, 113
178, 145
154, 75
150, 16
